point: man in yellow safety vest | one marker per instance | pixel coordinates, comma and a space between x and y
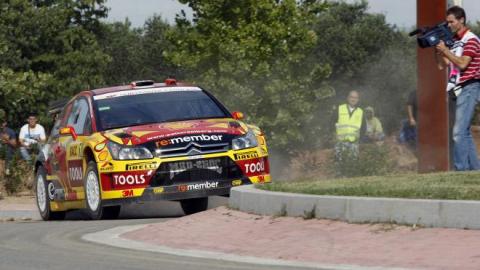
350, 124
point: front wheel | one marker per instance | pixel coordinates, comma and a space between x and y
93, 198
192, 206
43, 192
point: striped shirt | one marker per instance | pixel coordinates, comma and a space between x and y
471, 49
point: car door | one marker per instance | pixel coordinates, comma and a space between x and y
56, 162
79, 119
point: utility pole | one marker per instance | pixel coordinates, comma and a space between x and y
433, 139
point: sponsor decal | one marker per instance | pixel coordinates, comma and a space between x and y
75, 151
181, 166
247, 155
103, 156
236, 183
128, 179
261, 179
127, 193
75, 171
158, 190
184, 133
51, 191
192, 138
254, 167
106, 167
144, 91
205, 185
143, 166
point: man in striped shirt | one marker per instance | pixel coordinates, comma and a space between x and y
463, 62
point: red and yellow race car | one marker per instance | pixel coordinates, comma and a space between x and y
145, 141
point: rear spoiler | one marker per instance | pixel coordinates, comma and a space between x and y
55, 107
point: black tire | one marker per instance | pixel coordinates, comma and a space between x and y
192, 206
43, 199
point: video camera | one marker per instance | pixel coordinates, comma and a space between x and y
431, 36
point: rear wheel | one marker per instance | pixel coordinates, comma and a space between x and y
42, 194
192, 206
93, 198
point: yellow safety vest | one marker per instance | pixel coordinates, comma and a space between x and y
348, 127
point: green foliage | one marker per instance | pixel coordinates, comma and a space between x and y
20, 177
136, 53
253, 55
372, 159
48, 50
284, 63
368, 55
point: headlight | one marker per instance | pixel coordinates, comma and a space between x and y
121, 152
246, 141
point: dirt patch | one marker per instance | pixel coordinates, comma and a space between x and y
18, 203
315, 164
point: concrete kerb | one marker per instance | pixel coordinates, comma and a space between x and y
429, 213
112, 237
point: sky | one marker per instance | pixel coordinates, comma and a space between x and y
399, 12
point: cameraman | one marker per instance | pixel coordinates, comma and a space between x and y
463, 62
31, 135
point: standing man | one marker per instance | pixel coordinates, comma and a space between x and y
408, 132
350, 125
8, 141
463, 62
31, 135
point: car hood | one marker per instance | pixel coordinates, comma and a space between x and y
200, 131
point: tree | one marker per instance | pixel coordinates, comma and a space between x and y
50, 47
253, 55
366, 54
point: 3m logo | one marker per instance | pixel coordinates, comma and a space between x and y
127, 193
75, 174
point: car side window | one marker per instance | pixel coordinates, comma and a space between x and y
79, 117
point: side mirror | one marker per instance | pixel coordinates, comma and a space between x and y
69, 130
237, 115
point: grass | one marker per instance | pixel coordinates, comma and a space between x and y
451, 186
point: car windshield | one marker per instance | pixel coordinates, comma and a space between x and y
129, 108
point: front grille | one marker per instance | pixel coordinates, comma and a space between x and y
192, 149
187, 171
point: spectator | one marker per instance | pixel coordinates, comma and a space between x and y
408, 132
350, 125
374, 129
31, 135
463, 62
8, 141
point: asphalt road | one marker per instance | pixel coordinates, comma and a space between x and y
58, 245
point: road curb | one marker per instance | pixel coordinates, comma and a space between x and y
429, 213
112, 237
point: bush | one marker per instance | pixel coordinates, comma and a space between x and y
20, 177
371, 159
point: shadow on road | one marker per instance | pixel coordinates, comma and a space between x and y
154, 209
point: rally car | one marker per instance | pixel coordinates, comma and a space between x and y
145, 141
